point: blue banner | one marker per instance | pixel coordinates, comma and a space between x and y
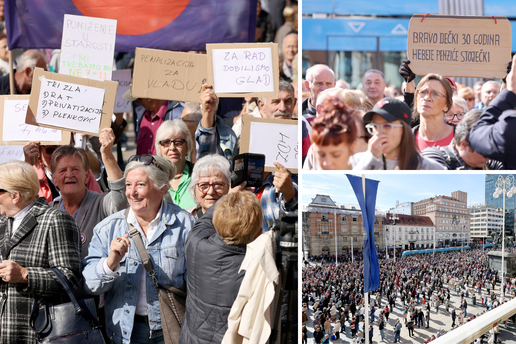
371, 266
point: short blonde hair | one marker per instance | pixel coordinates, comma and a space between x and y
238, 218
19, 176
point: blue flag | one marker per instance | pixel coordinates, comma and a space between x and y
371, 266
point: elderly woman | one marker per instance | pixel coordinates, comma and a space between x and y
113, 265
433, 99
174, 142
458, 110
211, 179
468, 95
34, 237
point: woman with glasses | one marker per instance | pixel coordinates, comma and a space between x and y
391, 145
468, 95
458, 110
211, 179
433, 100
114, 266
174, 142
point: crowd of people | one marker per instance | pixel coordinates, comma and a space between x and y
416, 288
84, 211
437, 124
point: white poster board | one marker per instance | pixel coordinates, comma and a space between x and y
123, 76
8, 153
71, 106
87, 47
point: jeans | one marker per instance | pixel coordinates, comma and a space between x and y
140, 335
396, 336
382, 334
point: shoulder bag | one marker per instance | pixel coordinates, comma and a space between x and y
71, 322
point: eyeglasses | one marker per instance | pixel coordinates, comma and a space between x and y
50, 149
372, 128
146, 159
3, 190
336, 128
470, 99
218, 187
450, 116
176, 142
434, 95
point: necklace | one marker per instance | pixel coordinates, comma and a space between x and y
438, 137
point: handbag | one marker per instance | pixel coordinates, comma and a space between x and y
172, 300
71, 322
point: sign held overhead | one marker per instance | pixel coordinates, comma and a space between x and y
460, 46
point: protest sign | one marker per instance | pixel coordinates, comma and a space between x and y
123, 77
460, 46
87, 47
168, 75
244, 69
13, 110
276, 138
8, 153
74, 104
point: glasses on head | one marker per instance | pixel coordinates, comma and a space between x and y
336, 128
450, 116
386, 128
50, 149
218, 187
434, 95
177, 142
146, 159
3, 190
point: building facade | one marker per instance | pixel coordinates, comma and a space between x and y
484, 220
408, 232
402, 208
450, 216
510, 202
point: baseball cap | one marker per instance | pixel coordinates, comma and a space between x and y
391, 109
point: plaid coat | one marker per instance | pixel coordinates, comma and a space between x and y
46, 238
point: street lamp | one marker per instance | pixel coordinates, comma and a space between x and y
507, 187
394, 217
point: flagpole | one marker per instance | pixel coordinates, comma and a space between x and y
336, 262
366, 296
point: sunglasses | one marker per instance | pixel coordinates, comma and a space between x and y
146, 159
336, 128
3, 190
176, 142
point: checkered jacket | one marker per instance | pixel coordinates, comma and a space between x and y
46, 238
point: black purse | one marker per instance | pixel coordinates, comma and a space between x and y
71, 322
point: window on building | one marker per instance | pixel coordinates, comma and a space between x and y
355, 239
344, 239
324, 217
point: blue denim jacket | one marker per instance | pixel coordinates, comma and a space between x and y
168, 257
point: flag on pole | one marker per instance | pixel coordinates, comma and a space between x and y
179, 25
371, 266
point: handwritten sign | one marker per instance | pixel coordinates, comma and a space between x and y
461, 46
168, 75
73, 104
13, 110
87, 47
123, 77
8, 153
244, 69
276, 138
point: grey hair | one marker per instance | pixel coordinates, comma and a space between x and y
28, 59
374, 71
464, 127
173, 127
311, 72
193, 110
206, 166
459, 101
160, 177
490, 82
283, 86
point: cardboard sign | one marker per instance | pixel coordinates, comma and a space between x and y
276, 138
460, 46
68, 96
8, 153
244, 69
123, 77
13, 111
87, 47
168, 75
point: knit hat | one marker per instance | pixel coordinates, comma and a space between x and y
391, 109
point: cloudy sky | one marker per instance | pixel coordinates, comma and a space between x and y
394, 187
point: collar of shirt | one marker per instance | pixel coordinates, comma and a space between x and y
18, 218
159, 115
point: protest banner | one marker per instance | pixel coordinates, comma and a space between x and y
87, 47
459, 46
13, 110
71, 103
8, 153
123, 77
244, 69
276, 138
168, 75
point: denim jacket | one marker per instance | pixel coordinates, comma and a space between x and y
167, 253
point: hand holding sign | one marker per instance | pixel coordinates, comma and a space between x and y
106, 139
31, 152
283, 182
208, 105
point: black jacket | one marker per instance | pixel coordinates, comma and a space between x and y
450, 158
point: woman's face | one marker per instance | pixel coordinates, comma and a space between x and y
70, 176
433, 103
177, 148
144, 199
455, 110
333, 157
210, 188
392, 139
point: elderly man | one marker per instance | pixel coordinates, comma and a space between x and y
25, 65
280, 108
289, 51
318, 78
374, 85
490, 90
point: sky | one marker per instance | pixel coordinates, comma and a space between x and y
394, 187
